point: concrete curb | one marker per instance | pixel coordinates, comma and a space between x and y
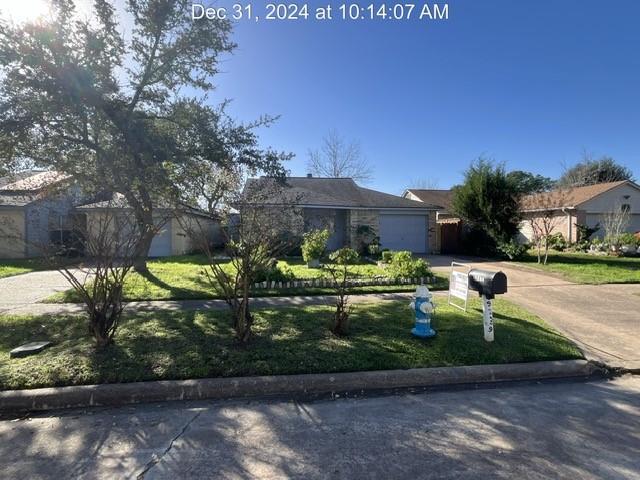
12, 401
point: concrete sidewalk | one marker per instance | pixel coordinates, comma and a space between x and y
567, 430
174, 305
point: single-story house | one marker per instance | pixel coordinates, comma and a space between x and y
40, 208
345, 208
172, 237
449, 226
36, 209
583, 206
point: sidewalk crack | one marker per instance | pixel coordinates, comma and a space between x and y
158, 458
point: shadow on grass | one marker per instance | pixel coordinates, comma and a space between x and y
196, 344
174, 292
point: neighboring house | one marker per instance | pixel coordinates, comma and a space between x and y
36, 209
172, 237
39, 208
345, 208
582, 206
449, 226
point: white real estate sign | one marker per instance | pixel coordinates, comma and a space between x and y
459, 285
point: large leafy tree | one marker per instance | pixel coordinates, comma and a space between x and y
527, 182
591, 171
488, 200
121, 113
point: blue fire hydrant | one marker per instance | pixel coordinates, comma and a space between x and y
423, 306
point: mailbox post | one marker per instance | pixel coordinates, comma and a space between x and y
488, 285
487, 318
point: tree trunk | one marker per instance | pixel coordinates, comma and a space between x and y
142, 249
546, 252
242, 321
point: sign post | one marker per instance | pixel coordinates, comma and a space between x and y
459, 285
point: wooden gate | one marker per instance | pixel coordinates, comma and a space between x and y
450, 237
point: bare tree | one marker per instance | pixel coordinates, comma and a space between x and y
260, 227
615, 223
339, 158
111, 238
340, 273
544, 221
108, 240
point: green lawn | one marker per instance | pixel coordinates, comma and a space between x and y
182, 278
592, 269
179, 345
9, 268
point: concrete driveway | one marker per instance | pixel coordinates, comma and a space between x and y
604, 320
29, 288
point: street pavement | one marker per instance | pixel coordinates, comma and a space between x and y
603, 320
560, 430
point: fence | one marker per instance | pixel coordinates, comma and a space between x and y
356, 282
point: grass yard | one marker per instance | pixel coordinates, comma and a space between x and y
9, 268
591, 269
179, 345
181, 278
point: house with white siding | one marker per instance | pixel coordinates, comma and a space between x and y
582, 206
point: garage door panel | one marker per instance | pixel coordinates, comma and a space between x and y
161, 244
404, 232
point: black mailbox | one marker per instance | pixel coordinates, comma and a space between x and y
487, 283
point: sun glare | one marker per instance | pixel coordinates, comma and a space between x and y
23, 10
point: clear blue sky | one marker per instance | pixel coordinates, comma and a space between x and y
532, 84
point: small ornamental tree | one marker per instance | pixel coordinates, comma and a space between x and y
110, 242
314, 245
338, 268
614, 224
106, 240
257, 232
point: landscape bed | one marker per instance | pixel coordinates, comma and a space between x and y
588, 268
198, 344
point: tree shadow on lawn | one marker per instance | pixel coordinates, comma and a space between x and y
174, 292
197, 344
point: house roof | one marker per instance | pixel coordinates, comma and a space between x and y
22, 188
117, 201
442, 198
31, 181
331, 192
568, 197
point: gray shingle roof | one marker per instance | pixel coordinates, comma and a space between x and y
22, 188
117, 201
334, 192
10, 200
443, 198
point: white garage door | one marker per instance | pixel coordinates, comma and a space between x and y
161, 244
404, 232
